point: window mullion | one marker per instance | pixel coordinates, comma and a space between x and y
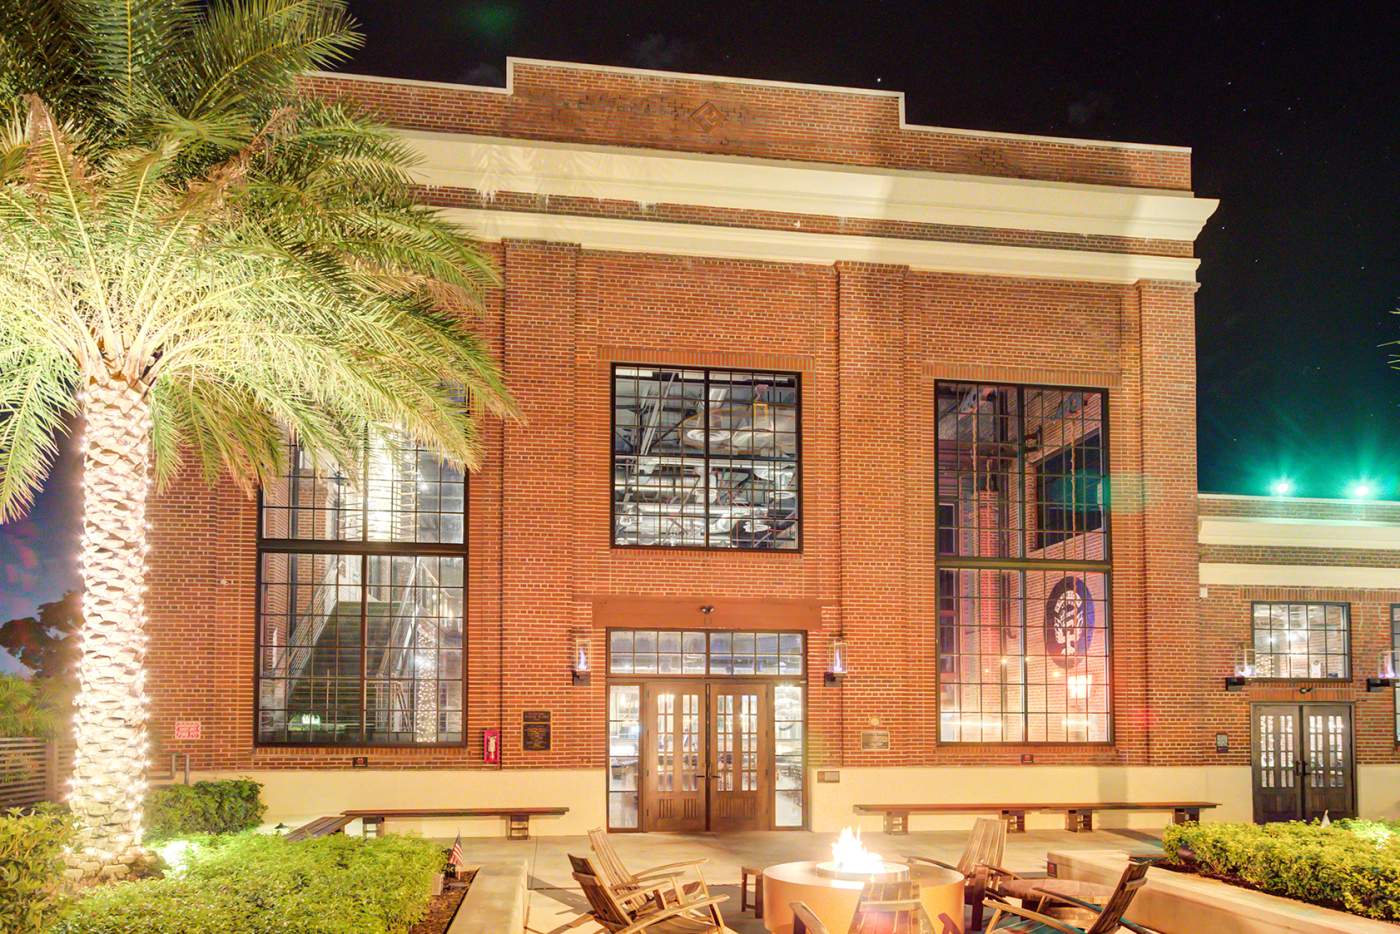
705, 420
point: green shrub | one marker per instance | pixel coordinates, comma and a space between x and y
256, 883
31, 868
1330, 866
202, 808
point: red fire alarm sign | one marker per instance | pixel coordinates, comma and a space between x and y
491, 746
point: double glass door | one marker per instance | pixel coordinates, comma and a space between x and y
696, 755
1302, 762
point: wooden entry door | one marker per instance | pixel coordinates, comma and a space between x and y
673, 791
741, 770
1303, 764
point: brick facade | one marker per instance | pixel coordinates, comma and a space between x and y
869, 341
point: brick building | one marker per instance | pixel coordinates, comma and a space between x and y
810, 506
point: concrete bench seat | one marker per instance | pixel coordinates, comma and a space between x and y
517, 818
1079, 816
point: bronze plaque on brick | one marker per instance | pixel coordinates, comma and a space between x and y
535, 730
874, 740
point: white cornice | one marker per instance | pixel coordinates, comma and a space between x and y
1299, 533
636, 236
493, 164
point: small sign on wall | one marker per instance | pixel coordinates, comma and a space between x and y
491, 746
1222, 742
359, 762
535, 731
874, 740
188, 729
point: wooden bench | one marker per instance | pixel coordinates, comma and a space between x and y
320, 827
517, 819
1078, 816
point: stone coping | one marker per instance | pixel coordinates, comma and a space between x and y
497, 902
1180, 903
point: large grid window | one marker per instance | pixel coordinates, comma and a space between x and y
705, 458
361, 602
1301, 640
1023, 564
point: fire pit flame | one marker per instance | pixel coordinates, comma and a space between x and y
850, 860
850, 855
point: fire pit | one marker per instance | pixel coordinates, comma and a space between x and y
831, 888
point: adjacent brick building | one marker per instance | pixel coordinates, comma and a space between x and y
806, 389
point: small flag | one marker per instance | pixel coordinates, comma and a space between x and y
454, 859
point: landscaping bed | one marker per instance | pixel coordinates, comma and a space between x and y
1352, 866
442, 909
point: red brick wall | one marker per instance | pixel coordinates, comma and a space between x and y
869, 341
1226, 617
690, 114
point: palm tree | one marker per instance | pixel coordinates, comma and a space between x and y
197, 263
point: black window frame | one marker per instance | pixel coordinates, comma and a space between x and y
795, 375
1047, 535
1020, 563
1346, 674
365, 548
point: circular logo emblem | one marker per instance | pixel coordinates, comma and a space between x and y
1069, 621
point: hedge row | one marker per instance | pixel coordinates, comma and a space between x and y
255, 884
1354, 868
202, 808
31, 868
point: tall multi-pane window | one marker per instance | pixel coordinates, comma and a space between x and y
360, 602
1023, 564
1301, 640
705, 458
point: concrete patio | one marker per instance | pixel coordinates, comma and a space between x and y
555, 902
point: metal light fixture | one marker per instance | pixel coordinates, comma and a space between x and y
1385, 674
581, 669
1244, 669
836, 667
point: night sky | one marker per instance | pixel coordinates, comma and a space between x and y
1291, 111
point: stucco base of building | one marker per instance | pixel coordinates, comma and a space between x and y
833, 803
296, 796
1378, 791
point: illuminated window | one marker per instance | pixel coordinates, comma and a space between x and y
360, 602
1023, 565
1301, 640
694, 652
705, 458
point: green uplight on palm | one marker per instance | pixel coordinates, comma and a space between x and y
1361, 489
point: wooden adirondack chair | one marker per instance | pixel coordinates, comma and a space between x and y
984, 850
1108, 917
664, 882
697, 916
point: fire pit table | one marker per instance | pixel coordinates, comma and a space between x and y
832, 894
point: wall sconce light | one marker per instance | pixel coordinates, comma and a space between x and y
1244, 669
836, 667
583, 660
1385, 674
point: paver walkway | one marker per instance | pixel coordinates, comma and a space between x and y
555, 900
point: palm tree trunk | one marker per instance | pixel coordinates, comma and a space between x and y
109, 765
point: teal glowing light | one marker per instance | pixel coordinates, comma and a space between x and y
1283, 486
1361, 489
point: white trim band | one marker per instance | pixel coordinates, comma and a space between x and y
1300, 576
494, 164
1299, 533
781, 246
